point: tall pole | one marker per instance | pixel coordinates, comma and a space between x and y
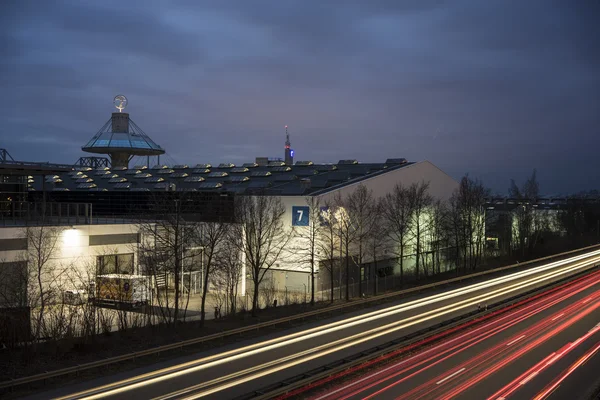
340, 267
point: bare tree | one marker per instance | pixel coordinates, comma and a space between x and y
328, 242
166, 234
42, 245
435, 223
397, 221
210, 238
524, 213
348, 232
420, 200
467, 219
309, 240
362, 210
260, 224
228, 268
377, 238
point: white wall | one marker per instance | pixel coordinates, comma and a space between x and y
441, 186
73, 260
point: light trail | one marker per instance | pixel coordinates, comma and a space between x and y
507, 360
548, 390
528, 375
497, 352
247, 351
467, 340
359, 338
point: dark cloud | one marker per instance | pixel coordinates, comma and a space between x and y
493, 88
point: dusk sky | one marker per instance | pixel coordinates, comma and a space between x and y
492, 88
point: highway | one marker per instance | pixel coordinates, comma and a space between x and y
230, 371
534, 351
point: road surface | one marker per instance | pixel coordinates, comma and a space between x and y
545, 348
234, 370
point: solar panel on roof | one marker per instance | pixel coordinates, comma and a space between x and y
201, 171
239, 170
60, 189
218, 174
276, 163
179, 175
347, 162
143, 175
84, 180
193, 179
132, 172
75, 173
285, 178
303, 163
158, 166
326, 167
139, 189
210, 185
259, 184
140, 166
119, 168
180, 166
123, 185
117, 180
307, 172
396, 161
250, 165
165, 171
281, 169
102, 172
110, 176
162, 185
260, 173
203, 166
52, 179
154, 179
86, 186
238, 178
226, 165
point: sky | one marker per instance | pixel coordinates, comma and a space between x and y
491, 88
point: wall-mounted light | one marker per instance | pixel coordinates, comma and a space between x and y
71, 237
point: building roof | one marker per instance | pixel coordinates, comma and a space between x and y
134, 141
303, 178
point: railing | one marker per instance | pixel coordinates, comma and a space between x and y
255, 327
19, 213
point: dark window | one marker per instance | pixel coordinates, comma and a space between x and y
115, 264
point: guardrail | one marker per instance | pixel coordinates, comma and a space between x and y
292, 386
255, 327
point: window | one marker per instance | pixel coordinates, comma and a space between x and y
115, 264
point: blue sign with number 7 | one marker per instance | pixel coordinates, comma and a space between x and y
300, 215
